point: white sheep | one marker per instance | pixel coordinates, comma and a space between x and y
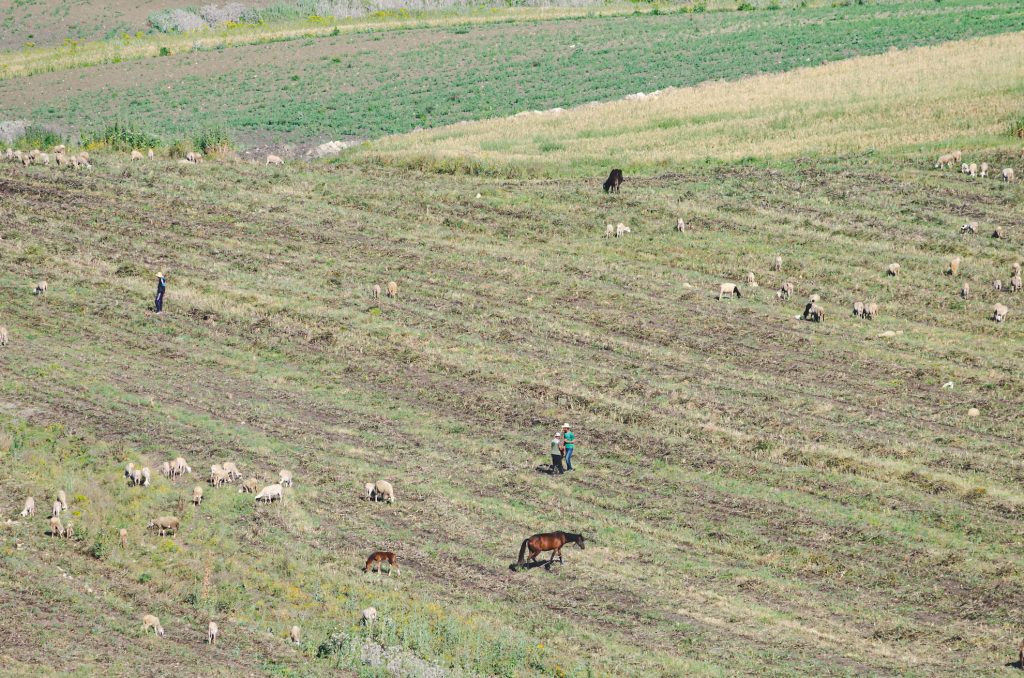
286, 478
30, 507
179, 467
136, 155
858, 309
609, 231
368, 487
954, 266
270, 493
870, 310
150, 621
1016, 268
194, 158
680, 227
128, 469
973, 169
369, 616
1008, 175
777, 264
295, 635
232, 470
984, 169
41, 287
384, 491
945, 161
43, 158
56, 509
999, 313
63, 499
751, 279
197, 495
211, 633
165, 469
136, 478
621, 230
997, 285
392, 289
215, 471
375, 292
56, 529
220, 477
145, 476
894, 270
965, 168
249, 486
998, 233
4, 337
151, 154
274, 160
785, 292
970, 227
59, 149
165, 524
123, 537
965, 291
728, 290
1016, 283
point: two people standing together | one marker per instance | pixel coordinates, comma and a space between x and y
562, 447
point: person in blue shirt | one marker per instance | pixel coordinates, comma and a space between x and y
568, 444
161, 288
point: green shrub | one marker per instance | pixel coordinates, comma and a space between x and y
1016, 128
213, 140
121, 136
180, 148
35, 136
165, 51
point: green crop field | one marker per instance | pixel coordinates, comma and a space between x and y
368, 85
759, 495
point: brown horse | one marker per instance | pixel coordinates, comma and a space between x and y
548, 541
376, 560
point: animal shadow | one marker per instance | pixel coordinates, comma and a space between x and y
516, 567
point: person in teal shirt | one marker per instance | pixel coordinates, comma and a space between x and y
569, 444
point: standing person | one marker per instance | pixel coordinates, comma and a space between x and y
556, 454
568, 444
161, 288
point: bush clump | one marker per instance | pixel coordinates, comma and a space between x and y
176, 21
1017, 128
39, 137
121, 136
213, 140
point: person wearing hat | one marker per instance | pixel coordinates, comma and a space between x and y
161, 287
568, 444
556, 454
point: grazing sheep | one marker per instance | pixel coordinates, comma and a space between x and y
751, 279
56, 529
150, 621
165, 469
997, 285
680, 227
813, 312
4, 337
870, 311
384, 491
621, 230
295, 635
894, 270
219, 477
999, 313
970, 227
965, 168
123, 537
286, 478
60, 159
1008, 175
151, 154
136, 155
26, 160
63, 499
998, 233
248, 486
30, 507
984, 169
858, 309
392, 289
145, 476
270, 493
1016, 268
728, 290
194, 158
59, 149
84, 156
216, 471
945, 161
375, 293
1015, 283
165, 524
369, 616
232, 470
69, 531
211, 633
965, 292
41, 287
973, 169
197, 495
136, 478
128, 469
785, 292
179, 467
56, 509
368, 487
274, 160
954, 266
777, 264
609, 230
81, 160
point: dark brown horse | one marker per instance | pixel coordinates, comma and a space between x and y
614, 180
377, 559
549, 541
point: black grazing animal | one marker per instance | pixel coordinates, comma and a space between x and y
614, 180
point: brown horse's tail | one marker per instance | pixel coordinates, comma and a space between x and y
522, 551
